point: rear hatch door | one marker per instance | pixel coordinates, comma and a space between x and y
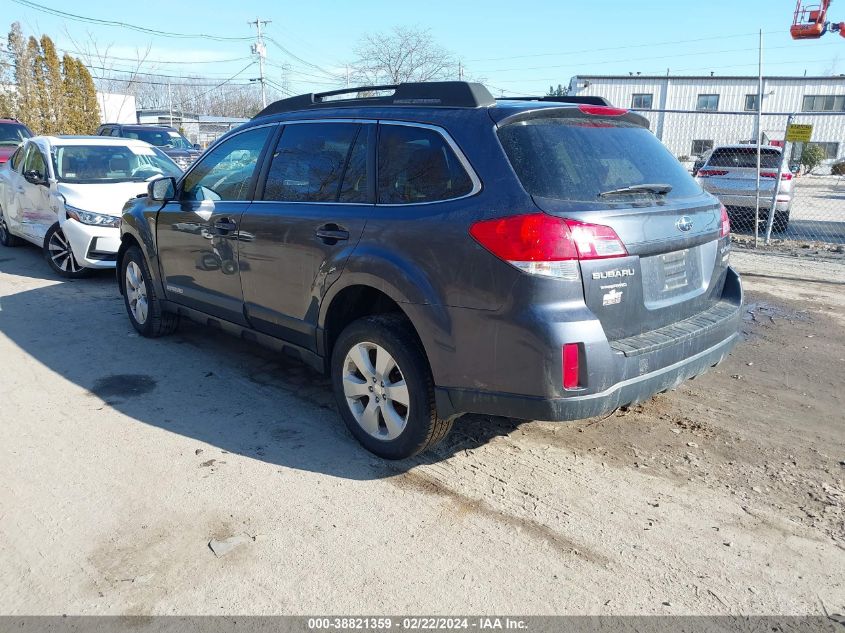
732, 171
611, 171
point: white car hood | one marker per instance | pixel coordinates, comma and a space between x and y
107, 198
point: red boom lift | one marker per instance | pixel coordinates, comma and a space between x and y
810, 21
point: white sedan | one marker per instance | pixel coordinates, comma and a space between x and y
65, 194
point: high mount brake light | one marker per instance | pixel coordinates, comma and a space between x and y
542, 244
597, 110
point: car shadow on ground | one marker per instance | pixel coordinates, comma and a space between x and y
217, 389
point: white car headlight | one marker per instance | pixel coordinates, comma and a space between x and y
91, 218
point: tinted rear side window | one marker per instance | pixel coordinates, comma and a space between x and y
744, 157
578, 159
417, 165
309, 164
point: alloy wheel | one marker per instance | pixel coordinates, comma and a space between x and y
61, 253
136, 293
375, 390
3, 230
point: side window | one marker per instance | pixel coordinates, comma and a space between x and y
417, 165
226, 172
17, 158
115, 131
104, 131
309, 164
35, 161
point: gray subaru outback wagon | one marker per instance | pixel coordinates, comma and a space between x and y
442, 252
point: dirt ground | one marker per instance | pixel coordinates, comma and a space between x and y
123, 458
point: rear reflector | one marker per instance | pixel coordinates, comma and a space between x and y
596, 110
706, 173
725, 228
546, 245
570, 366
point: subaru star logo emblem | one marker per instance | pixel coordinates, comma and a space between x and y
684, 224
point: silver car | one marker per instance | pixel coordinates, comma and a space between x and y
730, 174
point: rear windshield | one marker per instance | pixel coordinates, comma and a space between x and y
13, 134
159, 138
578, 159
744, 157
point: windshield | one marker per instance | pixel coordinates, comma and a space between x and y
744, 157
160, 138
13, 134
111, 163
579, 159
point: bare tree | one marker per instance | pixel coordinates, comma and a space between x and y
400, 55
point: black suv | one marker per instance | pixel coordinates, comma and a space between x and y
441, 252
166, 138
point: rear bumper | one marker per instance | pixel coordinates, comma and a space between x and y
520, 376
749, 202
624, 393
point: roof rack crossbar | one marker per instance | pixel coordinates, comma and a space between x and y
444, 94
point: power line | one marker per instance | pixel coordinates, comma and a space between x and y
619, 48
300, 60
134, 27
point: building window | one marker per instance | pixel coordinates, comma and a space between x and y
824, 103
831, 150
642, 101
700, 147
707, 102
751, 103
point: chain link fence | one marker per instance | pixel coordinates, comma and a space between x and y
804, 182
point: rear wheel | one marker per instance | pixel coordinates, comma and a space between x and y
384, 389
6, 238
139, 296
59, 255
781, 222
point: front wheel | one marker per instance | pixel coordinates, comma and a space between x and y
59, 255
143, 305
384, 389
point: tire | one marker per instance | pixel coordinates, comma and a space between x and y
60, 257
143, 305
6, 238
420, 428
781, 222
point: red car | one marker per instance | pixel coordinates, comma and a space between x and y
12, 134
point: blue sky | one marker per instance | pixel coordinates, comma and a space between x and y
515, 47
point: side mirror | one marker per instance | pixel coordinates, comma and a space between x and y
162, 189
35, 177
197, 146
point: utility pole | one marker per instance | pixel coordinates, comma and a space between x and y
259, 49
347, 75
460, 70
759, 140
170, 102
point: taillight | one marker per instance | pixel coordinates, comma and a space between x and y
597, 110
706, 173
726, 223
570, 366
542, 244
787, 175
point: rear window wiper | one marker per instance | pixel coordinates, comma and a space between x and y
660, 189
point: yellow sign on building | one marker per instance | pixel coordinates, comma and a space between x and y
799, 133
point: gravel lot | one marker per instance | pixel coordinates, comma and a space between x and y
122, 458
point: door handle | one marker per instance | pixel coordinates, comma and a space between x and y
331, 234
225, 224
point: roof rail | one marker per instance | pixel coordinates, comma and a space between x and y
441, 94
586, 100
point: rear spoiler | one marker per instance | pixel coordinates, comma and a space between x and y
600, 101
580, 111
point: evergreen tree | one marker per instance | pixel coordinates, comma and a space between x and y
88, 99
72, 108
53, 101
34, 104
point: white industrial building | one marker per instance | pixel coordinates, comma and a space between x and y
694, 113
